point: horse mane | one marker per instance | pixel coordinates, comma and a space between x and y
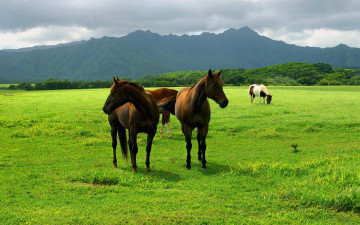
193, 85
141, 88
196, 83
135, 85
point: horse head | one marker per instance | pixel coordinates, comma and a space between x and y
214, 89
268, 99
115, 98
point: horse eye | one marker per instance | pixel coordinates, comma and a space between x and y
216, 85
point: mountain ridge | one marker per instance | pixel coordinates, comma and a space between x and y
144, 52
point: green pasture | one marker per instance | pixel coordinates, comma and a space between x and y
56, 162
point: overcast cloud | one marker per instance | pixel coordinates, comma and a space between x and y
318, 23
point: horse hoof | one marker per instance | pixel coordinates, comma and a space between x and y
135, 171
204, 168
115, 165
199, 159
188, 168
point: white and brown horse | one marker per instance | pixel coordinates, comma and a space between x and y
261, 91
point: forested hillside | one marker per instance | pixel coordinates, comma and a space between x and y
283, 74
288, 74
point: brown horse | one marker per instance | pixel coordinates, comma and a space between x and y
130, 107
193, 111
163, 95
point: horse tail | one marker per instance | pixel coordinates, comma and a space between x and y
168, 106
123, 141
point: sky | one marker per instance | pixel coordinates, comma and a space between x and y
315, 23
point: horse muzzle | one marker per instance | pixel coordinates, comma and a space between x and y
223, 103
107, 110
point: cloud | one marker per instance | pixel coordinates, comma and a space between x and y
315, 38
43, 36
31, 22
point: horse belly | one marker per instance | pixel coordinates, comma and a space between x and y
147, 126
196, 120
178, 103
177, 110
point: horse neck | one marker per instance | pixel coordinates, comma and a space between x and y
198, 93
265, 90
139, 99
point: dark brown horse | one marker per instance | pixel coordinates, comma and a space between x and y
193, 111
164, 95
130, 107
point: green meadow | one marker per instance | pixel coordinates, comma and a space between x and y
294, 161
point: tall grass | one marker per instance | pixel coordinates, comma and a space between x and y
56, 162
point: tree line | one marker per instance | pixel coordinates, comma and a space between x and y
289, 74
55, 84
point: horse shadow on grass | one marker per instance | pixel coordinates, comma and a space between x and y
157, 174
163, 175
212, 168
182, 138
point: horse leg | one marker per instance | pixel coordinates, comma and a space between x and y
168, 129
199, 143
166, 120
133, 149
187, 132
114, 143
202, 132
161, 130
162, 125
251, 99
150, 138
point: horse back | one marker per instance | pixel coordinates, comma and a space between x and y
162, 93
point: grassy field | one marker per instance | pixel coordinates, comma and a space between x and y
56, 162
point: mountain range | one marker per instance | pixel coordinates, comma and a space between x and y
146, 53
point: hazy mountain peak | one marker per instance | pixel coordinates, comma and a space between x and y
142, 33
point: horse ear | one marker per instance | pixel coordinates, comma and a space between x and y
219, 73
117, 78
116, 81
210, 73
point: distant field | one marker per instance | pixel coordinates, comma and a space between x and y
56, 162
4, 85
